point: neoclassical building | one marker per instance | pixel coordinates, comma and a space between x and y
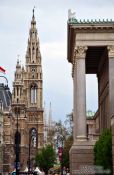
90, 51
26, 112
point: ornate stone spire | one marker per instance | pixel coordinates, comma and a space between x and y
33, 55
33, 69
33, 22
18, 71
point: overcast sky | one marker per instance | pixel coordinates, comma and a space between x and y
51, 17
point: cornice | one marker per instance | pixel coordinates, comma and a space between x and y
90, 21
91, 24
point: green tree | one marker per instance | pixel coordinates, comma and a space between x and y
66, 149
103, 150
46, 158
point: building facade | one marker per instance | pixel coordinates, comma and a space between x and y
5, 105
91, 51
26, 112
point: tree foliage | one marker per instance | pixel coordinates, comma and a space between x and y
46, 158
57, 129
66, 149
69, 124
103, 150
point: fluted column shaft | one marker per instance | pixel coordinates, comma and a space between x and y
79, 77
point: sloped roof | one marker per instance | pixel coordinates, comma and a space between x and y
5, 95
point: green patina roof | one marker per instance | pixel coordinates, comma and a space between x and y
76, 21
90, 114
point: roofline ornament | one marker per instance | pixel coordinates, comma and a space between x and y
71, 15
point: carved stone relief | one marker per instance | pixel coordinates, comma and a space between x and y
110, 51
79, 53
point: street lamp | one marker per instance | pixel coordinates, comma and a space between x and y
17, 141
32, 139
60, 140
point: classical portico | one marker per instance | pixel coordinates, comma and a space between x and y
91, 51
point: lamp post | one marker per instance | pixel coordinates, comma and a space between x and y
29, 166
17, 142
60, 139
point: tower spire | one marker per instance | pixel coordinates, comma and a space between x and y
33, 22
50, 117
33, 11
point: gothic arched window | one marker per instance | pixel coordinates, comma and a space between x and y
33, 93
33, 137
33, 54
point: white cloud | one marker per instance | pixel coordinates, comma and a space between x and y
51, 17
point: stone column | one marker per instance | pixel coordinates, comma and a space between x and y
81, 152
111, 80
79, 78
111, 94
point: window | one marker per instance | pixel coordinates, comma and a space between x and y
33, 93
33, 54
33, 137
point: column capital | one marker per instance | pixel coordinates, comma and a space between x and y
110, 51
79, 53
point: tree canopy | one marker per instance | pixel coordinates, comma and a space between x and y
46, 158
66, 149
103, 150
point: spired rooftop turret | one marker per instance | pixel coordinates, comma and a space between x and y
5, 96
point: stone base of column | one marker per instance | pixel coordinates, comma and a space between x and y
82, 157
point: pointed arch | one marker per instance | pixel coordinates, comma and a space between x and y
33, 137
33, 54
33, 93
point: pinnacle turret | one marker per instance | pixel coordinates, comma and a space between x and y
33, 22
33, 51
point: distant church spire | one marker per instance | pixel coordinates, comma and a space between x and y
45, 116
50, 117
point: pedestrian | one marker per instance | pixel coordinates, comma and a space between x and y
64, 170
67, 172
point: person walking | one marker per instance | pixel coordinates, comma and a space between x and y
64, 171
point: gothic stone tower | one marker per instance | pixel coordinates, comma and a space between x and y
27, 100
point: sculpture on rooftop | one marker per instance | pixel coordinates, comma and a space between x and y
71, 14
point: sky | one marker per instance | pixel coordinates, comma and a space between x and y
51, 19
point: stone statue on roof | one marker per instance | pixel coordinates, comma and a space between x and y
71, 14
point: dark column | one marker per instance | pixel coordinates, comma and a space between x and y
111, 94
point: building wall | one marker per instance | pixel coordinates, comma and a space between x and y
26, 107
103, 90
